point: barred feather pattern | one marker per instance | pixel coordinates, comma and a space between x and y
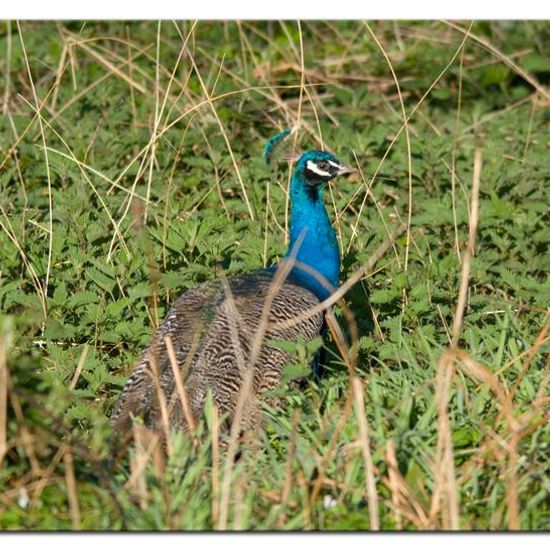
212, 329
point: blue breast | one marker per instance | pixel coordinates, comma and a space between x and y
312, 239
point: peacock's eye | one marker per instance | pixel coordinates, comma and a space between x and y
323, 165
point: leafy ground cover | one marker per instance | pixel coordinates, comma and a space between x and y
131, 170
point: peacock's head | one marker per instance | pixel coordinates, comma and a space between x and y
317, 168
312, 169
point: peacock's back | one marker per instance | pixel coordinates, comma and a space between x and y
212, 328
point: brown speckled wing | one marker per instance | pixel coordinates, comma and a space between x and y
219, 331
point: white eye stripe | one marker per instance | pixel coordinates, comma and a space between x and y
335, 164
310, 165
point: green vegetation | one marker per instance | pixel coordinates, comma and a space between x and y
143, 176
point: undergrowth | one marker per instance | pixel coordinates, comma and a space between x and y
131, 170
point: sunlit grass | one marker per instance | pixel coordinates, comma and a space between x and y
131, 170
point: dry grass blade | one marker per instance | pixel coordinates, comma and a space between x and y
404, 501
80, 165
71, 488
454, 149
445, 479
147, 444
61, 68
3, 399
510, 463
161, 402
504, 58
210, 102
539, 341
331, 446
182, 393
215, 421
410, 115
392, 481
109, 66
300, 477
100, 175
469, 252
27, 440
247, 375
117, 225
7, 72
156, 121
485, 376
46, 476
138, 463
47, 162
30, 268
339, 339
79, 367
86, 91
189, 111
296, 125
244, 394
354, 279
359, 401
408, 140
247, 370
281, 274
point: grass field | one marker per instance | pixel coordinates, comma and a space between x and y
131, 170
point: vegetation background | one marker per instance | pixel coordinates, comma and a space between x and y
131, 170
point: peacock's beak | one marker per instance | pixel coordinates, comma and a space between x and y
346, 170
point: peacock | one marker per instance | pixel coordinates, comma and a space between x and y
219, 329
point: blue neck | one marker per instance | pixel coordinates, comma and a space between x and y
310, 224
